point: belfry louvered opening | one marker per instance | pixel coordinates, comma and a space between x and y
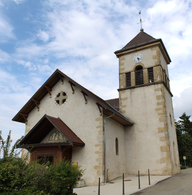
150, 75
139, 75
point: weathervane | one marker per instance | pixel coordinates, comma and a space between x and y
141, 21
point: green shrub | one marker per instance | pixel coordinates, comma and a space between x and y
9, 176
63, 177
183, 167
36, 175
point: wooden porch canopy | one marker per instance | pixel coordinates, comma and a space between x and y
46, 88
43, 128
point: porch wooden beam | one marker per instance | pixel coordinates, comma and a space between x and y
72, 86
48, 90
36, 103
85, 96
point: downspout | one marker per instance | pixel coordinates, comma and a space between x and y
104, 128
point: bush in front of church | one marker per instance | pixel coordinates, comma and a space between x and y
63, 176
19, 177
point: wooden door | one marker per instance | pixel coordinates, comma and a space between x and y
67, 154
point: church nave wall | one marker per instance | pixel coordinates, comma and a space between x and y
84, 119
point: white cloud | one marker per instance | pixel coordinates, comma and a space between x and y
5, 30
29, 50
19, 1
13, 96
43, 36
4, 57
183, 103
27, 64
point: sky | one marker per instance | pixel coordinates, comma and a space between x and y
79, 37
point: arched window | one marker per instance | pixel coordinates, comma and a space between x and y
116, 146
139, 75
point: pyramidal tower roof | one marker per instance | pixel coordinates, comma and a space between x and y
141, 39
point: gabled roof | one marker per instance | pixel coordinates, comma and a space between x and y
47, 87
139, 40
44, 127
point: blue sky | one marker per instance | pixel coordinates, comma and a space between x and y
79, 37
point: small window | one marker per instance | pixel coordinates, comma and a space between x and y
139, 75
150, 75
128, 79
116, 146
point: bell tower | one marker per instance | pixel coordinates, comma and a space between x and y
145, 97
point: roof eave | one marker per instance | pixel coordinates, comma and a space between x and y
22, 110
126, 121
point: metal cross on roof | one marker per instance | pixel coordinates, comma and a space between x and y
141, 21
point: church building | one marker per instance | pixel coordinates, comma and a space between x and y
135, 131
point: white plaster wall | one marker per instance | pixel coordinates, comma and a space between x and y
172, 133
143, 139
116, 164
78, 116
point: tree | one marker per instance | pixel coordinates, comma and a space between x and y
5, 148
184, 138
